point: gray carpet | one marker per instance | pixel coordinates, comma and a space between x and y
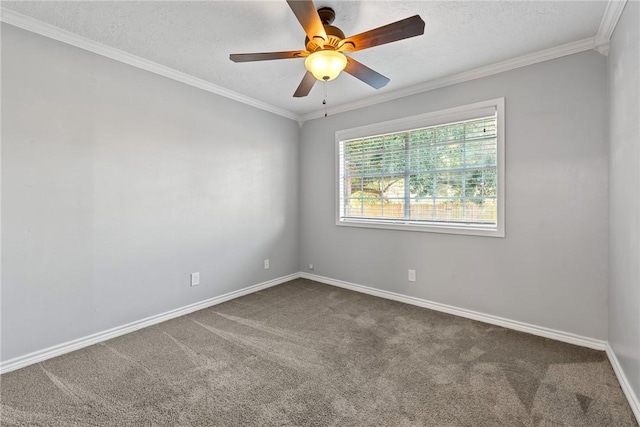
308, 354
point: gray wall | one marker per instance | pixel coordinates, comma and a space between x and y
117, 183
624, 194
551, 268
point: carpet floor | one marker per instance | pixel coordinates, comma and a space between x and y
308, 354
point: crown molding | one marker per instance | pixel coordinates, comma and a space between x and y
35, 26
489, 70
608, 25
600, 43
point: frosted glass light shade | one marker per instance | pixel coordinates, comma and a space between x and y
325, 64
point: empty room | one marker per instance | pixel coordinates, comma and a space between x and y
320, 213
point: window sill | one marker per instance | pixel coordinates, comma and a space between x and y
447, 228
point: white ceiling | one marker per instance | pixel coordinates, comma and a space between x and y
196, 37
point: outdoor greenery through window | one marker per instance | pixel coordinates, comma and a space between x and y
442, 175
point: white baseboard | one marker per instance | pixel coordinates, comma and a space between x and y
567, 337
469, 314
634, 402
60, 349
57, 350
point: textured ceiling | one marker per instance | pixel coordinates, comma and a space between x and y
197, 38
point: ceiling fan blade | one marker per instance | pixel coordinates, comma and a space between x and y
409, 27
265, 56
305, 85
306, 13
366, 74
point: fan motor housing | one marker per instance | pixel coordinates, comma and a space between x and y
334, 37
334, 34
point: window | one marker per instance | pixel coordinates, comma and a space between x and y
440, 172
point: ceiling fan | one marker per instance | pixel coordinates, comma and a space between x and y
325, 45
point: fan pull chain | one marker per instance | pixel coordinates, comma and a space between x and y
324, 101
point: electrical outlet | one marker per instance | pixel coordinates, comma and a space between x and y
195, 279
266, 264
412, 275
310, 266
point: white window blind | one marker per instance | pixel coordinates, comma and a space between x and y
442, 175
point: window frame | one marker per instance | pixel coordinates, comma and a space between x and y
442, 117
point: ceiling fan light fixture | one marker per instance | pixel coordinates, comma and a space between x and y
325, 64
